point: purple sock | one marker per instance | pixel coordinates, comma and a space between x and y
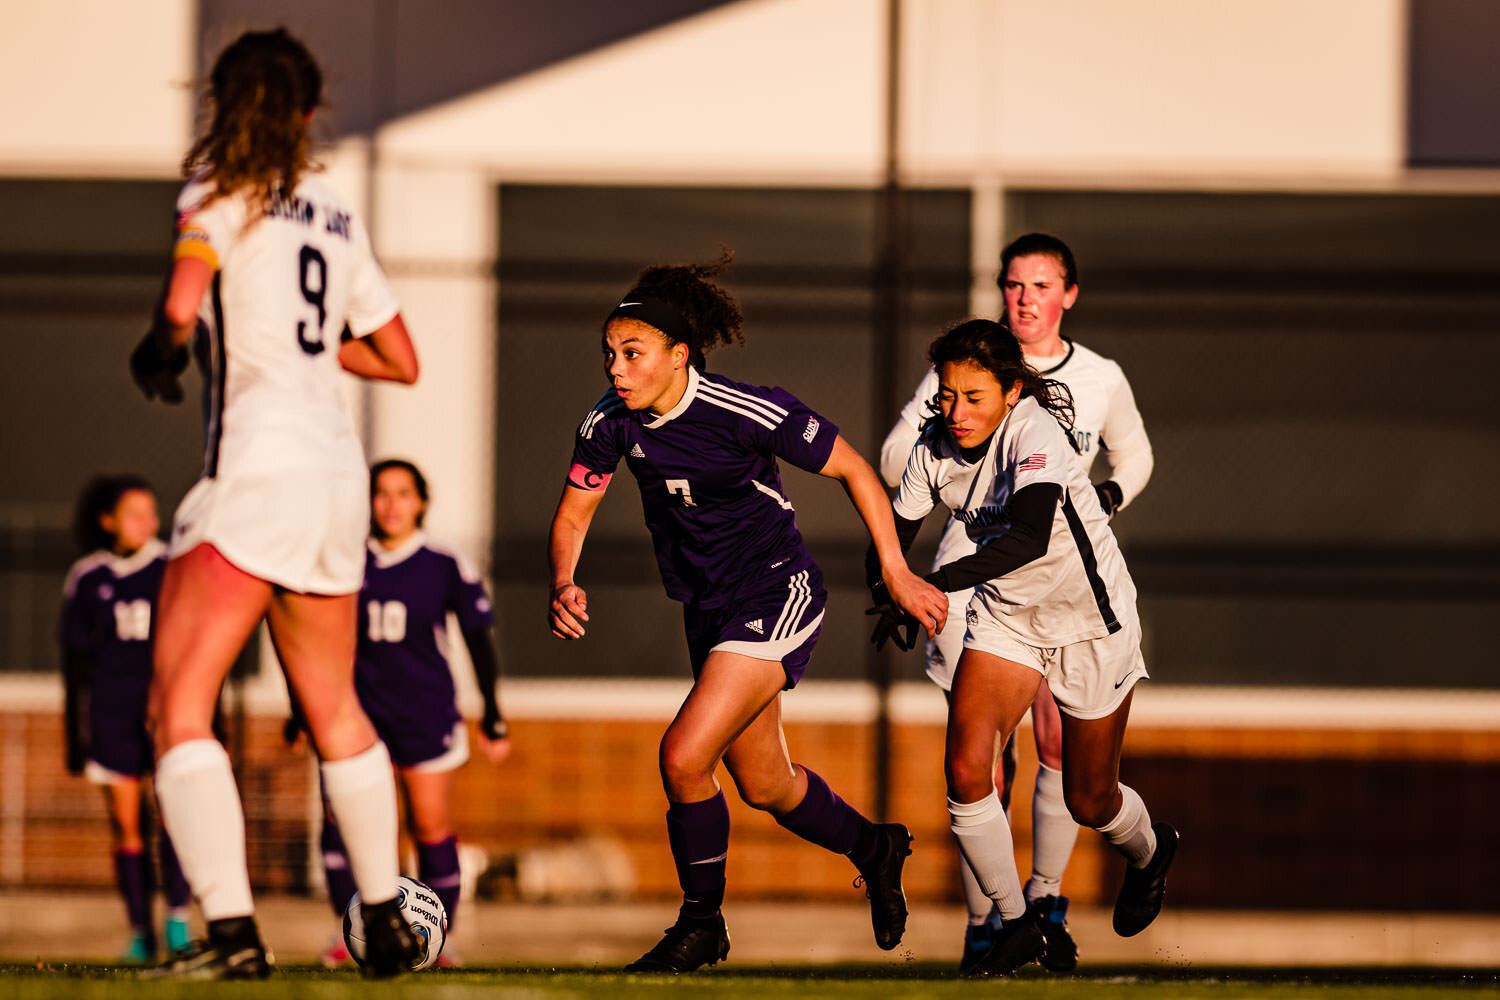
336, 873
134, 882
437, 865
174, 883
699, 835
824, 818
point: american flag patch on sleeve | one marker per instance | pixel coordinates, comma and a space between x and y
1035, 462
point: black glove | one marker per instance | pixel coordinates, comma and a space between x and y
157, 375
890, 624
1110, 496
493, 725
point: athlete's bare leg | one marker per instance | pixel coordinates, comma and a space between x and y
315, 638
122, 799
761, 766
990, 695
1046, 728
1091, 751
429, 795
207, 609
730, 693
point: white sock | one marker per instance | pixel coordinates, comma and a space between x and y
200, 808
361, 793
1130, 831
980, 906
984, 838
1053, 833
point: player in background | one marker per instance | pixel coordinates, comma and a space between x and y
105, 630
269, 267
703, 450
1051, 599
1039, 278
404, 683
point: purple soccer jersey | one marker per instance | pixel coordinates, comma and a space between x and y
710, 487
109, 615
402, 673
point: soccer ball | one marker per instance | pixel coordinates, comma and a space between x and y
423, 911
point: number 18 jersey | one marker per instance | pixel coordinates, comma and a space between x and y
286, 283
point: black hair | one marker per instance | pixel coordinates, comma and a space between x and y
991, 346
1033, 244
101, 496
710, 315
418, 480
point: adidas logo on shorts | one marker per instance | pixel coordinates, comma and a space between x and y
757, 626
635, 451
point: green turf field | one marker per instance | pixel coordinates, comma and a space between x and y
29, 982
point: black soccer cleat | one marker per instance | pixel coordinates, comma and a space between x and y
233, 950
1051, 915
977, 941
882, 881
1018, 942
390, 946
689, 944
1140, 896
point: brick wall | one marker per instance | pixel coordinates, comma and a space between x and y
1270, 817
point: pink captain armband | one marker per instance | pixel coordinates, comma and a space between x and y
584, 478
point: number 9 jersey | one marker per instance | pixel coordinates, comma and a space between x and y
280, 444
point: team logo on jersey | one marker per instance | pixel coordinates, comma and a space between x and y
1035, 462
758, 626
812, 429
635, 451
971, 617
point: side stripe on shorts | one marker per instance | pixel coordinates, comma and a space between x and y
796, 603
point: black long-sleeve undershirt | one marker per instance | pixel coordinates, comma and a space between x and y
1030, 513
486, 674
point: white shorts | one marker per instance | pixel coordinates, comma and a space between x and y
303, 530
1089, 679
944, 650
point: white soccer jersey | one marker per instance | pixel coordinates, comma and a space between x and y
1080, 589
285, 285
1105, 419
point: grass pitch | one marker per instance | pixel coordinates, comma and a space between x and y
916, 980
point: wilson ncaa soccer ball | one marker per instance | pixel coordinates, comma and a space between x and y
423, 911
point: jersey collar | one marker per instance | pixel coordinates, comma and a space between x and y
682, 404
386, 558
1065, 358
135, 562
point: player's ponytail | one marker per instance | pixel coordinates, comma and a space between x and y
686, 305
994, 348
262, 90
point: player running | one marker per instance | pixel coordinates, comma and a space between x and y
703, 450
406, 687
269, 267
1052, 599
1040, 281
105, 630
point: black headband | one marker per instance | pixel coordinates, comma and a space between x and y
653, 312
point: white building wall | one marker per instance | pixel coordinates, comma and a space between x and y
1235, 90
96, 87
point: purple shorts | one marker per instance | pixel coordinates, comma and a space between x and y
781, 622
